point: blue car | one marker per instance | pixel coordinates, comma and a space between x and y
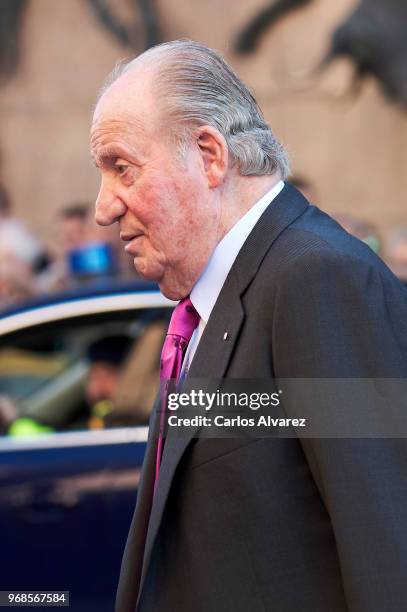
67, 487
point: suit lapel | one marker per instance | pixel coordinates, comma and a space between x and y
214, 351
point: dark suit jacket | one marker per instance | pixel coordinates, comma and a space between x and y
264, 525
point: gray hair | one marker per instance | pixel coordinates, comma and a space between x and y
196, 87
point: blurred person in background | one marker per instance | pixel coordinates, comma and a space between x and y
106, 358
73, 226
124, 267
16, 278
15, 238
19, 252
8, 413
397, 252
72, 233
21, 256
80, 253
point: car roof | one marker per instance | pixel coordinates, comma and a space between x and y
89, 299
94, 289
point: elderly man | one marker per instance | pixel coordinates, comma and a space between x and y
270, 288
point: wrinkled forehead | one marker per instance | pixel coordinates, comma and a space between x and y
126, 107
113, 128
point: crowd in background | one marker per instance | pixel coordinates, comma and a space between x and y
82, 252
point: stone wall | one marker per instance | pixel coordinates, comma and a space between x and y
353, 150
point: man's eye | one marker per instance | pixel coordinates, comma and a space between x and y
121, 169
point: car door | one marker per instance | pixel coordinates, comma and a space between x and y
66, 501
67, 495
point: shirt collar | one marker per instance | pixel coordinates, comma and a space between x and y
207, 288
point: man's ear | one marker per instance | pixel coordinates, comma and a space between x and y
214, 153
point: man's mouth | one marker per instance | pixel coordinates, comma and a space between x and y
131, 240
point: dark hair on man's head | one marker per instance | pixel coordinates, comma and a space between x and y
5, 204
110, 349
78, 210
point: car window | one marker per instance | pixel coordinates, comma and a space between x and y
50, 381
23, 372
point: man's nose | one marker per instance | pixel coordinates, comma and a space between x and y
109, 207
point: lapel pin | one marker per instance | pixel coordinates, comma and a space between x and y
225, 336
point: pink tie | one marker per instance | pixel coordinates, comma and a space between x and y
184, 320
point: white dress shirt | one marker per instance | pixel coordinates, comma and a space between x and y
207, 288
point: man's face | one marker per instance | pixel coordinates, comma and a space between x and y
102, 382
162, 204
72, 233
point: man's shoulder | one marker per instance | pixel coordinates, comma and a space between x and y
315, 252
315, 237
